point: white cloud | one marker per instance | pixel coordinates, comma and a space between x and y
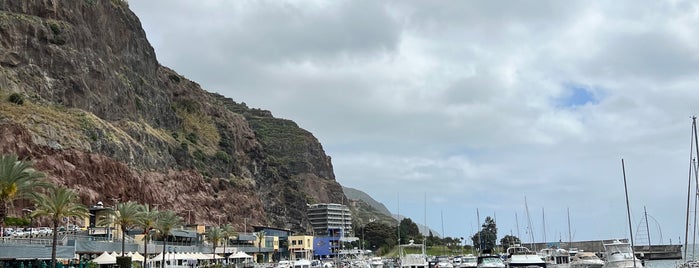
461, 100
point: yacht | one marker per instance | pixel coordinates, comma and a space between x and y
586, 260
620, 255
489, 261
412, 255
519, 256
469, 261
555, 257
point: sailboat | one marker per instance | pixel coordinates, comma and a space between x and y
693, 174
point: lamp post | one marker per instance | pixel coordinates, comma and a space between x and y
31, 222
219, 220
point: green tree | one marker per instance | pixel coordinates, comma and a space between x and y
409, 231
166, 222
260, 237
487, 235
214, 236
379, 235
126, 216
17, 180
228, 232
146, 221
509, 240
57, 203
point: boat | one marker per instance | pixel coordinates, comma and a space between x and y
443, 262
489, 261
376, 262
469, 261
412, 255
301, 263
586, 260
619, 255
519, 256
555, 257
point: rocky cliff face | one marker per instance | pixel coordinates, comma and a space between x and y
100, 115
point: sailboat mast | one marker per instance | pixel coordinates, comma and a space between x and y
529, 224
628, 211
543, 219
645, 215
478, 219
689, 183
570, 237
517, 223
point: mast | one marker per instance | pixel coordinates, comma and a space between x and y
543, 219
441, 213
517, 223
570, 237
628, 212
529, 224
478, 219
689, 184
645, 215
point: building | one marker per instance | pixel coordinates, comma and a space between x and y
328, 216
300, 247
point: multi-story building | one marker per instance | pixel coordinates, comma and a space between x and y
301, 247
328, 216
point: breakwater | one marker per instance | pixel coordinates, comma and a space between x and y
652, 252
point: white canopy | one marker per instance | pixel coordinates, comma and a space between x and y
105, 258
137, 257
240, 255
115, 254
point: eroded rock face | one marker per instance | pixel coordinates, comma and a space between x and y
103, 117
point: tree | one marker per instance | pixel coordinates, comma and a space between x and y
509, 240
380, 235
17, 180
126, 216
485, 239
409, 231
146, 221
214, 235
228, 232
260, 236
57, 203
166, 222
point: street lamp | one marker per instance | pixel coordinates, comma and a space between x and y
31, 222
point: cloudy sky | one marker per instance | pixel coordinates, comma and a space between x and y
471, 104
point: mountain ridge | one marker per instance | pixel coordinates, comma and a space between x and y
100, 115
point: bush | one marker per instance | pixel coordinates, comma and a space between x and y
123, 262
16, 98
192, 137
174, 78
55, 28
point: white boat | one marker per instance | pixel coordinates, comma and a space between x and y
490, 261
586, 260
619, 255
519, 256
469, 261
376, 262
412, 255
555, 257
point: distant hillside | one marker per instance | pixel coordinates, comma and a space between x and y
352, 193
364, 213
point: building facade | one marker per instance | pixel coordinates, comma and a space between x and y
329, 216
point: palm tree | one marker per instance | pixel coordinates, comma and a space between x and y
125, 215
147, 222
167, 220
228, 232
214, 236
17, 180
57, 203
260, 236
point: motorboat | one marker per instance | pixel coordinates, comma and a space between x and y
519, 256
619, 255
469, 261
555, 257
489, 261
412, 255
376, 262
301, 263
586, 260
443, 262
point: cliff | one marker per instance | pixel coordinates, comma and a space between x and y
99, 114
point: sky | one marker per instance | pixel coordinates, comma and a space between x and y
440, 109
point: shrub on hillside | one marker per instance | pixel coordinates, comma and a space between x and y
16, 98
